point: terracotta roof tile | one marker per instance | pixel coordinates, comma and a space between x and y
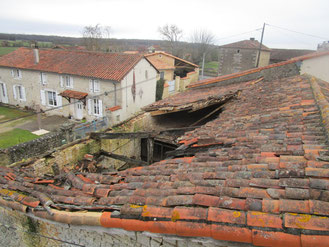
108, 66
74, 94
246, 44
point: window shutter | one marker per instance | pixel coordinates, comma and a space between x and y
14, 92
100, 108
90, 85
43, 97
61, 81
45, 78
90, 107
71, 82
23, 93
59, 100
5, 98
12, 73
19, 74
97, 86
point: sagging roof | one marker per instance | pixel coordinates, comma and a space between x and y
250, 71
266, 185
246, 44
109, 66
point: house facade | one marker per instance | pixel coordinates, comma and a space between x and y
176, 72
77, 84
242, 55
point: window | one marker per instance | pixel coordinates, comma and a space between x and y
66, 81
161, 75
50, 98
19, 92
95, 107
94, 86
16, 73
146, 74
43, 78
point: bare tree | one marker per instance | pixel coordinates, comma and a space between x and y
202, 40
93, 35
172, 34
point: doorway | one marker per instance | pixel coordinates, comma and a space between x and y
78, 109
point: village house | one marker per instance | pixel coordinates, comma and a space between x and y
93, 84
253, 172
176, 72
242, 55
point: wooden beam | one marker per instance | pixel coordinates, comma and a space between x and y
150, 150
208, 115
120, 135
124, 158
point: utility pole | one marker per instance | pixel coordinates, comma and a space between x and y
260, 45
203, 58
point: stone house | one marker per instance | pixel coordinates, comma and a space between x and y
177, 72
77, 84
241, 55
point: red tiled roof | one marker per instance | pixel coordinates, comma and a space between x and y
114, 108
109, 66
73, 94
266, 185
250, 71
172, 56
159, 64
246, 44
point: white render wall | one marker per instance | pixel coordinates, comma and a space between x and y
318, 67
145, 91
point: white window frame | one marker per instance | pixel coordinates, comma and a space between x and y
43, 78
66, 81
19, 92
53, 99
94, 85
95, 107
16, 73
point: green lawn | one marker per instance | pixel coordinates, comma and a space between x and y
14, 137
6, 50
211, 65
10, 113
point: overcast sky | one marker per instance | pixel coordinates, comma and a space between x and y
140, 19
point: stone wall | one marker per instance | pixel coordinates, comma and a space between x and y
18, 229
32, 148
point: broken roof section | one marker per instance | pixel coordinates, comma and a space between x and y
269, 187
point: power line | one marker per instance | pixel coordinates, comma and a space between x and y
72, 103
227, 37
311, 35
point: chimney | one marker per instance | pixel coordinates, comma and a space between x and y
36, 54
252, 39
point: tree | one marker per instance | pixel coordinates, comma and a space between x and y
202, 40
172, 34
92, 36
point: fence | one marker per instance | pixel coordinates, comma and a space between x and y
82, 130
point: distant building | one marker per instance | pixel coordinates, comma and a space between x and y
177, 73
97, 84
242, 55
280, 55
324, 46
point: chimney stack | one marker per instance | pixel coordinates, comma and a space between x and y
36, 54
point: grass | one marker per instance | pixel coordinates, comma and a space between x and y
10, 113
6, 50
14, 137
211, 65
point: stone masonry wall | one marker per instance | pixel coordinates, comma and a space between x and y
32, 148
17, 229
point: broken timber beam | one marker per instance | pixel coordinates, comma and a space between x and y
150, 150
124, 158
